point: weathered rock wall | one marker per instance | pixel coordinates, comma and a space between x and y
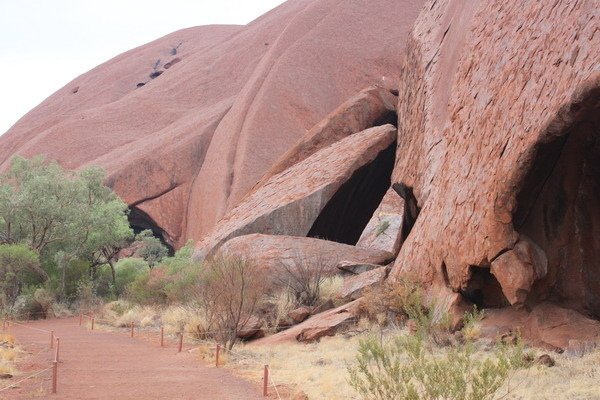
484, 86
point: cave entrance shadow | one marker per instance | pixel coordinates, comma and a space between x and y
345, 216
140, 221
558, 206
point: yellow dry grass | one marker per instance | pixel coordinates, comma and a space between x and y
320, 371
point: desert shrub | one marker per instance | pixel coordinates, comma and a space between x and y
147, 288
330, 287
170, 282
407, 368
228, 293
275, 309
303, 275
127, 271
392, 302
471, 329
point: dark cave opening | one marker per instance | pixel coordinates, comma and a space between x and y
348, 212
558, 207
411, 211
140, 221
484, 290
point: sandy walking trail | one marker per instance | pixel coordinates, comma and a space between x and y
106, 365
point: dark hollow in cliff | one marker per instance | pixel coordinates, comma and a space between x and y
484, 290
348, 212
139, 221
558, 207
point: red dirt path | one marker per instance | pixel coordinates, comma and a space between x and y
104, 365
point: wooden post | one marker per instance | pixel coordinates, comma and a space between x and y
57, 349
54, 376
51, 339
217, 355
80, 319
92, 323
132, 325
180, 342
266, 381
162, 336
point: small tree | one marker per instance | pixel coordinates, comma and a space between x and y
16, 260
229, 293
152, 250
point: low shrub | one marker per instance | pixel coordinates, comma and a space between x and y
407, 368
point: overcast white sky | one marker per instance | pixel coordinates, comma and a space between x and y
46, 43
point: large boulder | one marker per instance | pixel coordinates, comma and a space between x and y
291, 202
499, 104
546, 325
327, 323
275, 253
225, 103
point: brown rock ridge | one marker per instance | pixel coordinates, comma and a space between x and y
223, 104
498, 146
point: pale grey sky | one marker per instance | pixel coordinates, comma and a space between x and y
46, 43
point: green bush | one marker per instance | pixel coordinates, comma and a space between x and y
127, 270
407, 368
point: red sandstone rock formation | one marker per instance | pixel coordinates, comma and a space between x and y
499, 107
497, 156
186, 146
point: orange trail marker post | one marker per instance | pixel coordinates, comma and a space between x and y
92, 323
162, 336
266, 381
51, 339
132, 325
57, 349
217, 355
54, 376
180, 342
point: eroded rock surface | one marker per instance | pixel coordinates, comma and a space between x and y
291, 202
499, 104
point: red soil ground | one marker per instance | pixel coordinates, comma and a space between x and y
105, 365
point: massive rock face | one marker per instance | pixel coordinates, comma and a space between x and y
498, 146
225, 103
494, 197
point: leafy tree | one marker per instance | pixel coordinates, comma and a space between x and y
152, 250
61, 215
16, 260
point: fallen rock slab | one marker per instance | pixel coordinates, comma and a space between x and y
355, 285
276, 252
290, 202
370, 107
327, 323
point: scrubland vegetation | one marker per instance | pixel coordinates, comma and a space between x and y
61, 234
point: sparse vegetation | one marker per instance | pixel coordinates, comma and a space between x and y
303, 275
382, 226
